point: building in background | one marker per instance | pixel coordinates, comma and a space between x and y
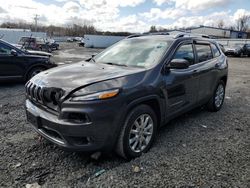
218, 32
14, 35
101, 41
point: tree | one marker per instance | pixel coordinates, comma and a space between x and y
220, 24
242, 22
152, 29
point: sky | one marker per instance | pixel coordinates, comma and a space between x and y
125, 15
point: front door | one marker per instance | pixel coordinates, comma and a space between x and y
182, 84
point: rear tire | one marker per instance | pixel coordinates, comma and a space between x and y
138, 132
216, 101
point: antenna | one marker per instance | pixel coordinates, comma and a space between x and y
36, 18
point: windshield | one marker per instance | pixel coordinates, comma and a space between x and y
134, 52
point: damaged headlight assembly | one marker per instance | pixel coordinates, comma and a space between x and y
81, 95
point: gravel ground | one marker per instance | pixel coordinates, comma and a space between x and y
199, 149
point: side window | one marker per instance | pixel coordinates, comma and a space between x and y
204, 52
215, 50
4, 50
185, 52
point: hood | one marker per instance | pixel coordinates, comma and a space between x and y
40, 53
70, 77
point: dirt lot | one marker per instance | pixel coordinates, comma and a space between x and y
200, 149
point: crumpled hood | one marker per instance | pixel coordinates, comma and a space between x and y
70, 77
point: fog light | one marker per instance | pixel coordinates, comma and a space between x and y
78, 117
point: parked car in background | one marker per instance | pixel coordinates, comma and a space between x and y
82, 42
234, 50
119, 98
70, 39
18, 64
77, 39
53, 45
246, 49
34, 43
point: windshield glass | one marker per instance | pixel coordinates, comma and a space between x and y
134, 52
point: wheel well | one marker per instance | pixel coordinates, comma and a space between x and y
154, 104
224, 79
34, 67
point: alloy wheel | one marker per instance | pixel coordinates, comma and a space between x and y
141, 133
219, 95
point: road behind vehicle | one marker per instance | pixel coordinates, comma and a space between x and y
18, 64
151, 79
34, 43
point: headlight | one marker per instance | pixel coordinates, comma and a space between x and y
80, 95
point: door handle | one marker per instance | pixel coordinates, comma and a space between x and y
217, 65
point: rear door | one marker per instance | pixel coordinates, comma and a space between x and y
10, 66
182, 84
206, 68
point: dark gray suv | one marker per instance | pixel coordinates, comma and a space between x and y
118, 99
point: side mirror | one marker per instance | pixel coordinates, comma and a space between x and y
13, 52
179, 64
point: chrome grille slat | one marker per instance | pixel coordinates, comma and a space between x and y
35, 93
29, 89
44, 96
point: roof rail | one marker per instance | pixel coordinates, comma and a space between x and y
133, 36
146, 34
179, 35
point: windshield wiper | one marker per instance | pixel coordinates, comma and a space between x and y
123, 65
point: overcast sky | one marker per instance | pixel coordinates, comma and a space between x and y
125, 15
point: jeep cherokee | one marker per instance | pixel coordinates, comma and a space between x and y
118, 99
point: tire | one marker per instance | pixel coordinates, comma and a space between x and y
216, 101
34, 72
133, 132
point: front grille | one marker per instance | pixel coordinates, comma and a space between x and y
35, 93
47, 96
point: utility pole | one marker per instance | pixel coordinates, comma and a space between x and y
36, 18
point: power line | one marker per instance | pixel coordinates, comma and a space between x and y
36, 18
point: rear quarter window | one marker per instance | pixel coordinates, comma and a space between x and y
215, 49
204, 52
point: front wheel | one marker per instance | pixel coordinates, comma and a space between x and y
216, 101
137, 133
